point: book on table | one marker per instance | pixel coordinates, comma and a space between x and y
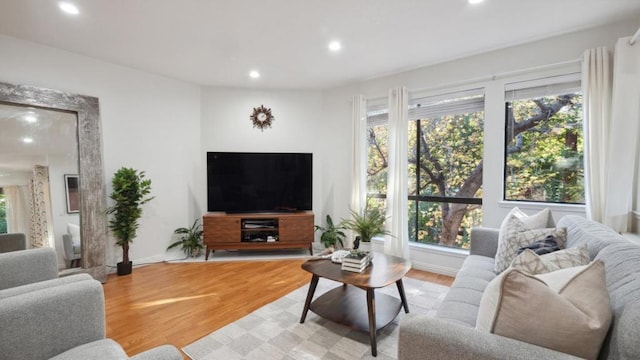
354, 268
356, 261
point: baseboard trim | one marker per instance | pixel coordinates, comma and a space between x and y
443, 270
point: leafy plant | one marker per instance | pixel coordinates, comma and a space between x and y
331, 234
368, 223
130, 192
191, 239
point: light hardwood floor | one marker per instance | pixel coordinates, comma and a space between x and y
178, 303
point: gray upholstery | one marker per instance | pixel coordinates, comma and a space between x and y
71, 252
57, 317
452, 335
12, 242
27, 266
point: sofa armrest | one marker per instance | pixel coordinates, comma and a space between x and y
43, 323
484, 241
27, 266
164, 352
422, 337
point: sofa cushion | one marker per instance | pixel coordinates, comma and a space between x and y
104, 349
550, 310
517, 235
532, 263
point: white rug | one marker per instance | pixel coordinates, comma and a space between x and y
274, 332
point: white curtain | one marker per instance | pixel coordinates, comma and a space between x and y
596, 91
18, 208
41, 229
359, 155
397, 243
622, 180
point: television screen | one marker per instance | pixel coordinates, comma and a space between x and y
259, 182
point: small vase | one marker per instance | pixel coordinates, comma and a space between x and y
365, 246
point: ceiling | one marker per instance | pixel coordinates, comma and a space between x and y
217, 42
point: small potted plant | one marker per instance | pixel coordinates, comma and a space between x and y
367, 223
331, 234
130, 191
191, 239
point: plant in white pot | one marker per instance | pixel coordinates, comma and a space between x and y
130, 191
367, 223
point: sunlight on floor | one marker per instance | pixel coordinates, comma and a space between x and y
168, 301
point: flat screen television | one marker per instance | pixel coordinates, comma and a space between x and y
240, 182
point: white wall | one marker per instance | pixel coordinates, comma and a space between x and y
298, 127
149, 122
472, 72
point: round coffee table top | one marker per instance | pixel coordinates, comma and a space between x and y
383, 271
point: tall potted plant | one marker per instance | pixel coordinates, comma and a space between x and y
130, 191
367, 223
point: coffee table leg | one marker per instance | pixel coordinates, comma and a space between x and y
307, 303
371, 307
402, 296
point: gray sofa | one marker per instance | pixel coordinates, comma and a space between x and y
46, 317
452, 334
12, 242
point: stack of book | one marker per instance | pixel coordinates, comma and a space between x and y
356, 261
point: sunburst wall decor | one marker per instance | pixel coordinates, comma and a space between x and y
261, 117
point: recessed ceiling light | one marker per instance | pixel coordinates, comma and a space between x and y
30, 118
69, 8
472, 2
254, 74
27, 140
335, 46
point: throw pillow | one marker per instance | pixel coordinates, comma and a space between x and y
550, 310
508, 229
517, 235
541, 247
534, 264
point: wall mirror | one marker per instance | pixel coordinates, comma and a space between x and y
66, 144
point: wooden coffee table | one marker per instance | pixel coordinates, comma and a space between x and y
344, 304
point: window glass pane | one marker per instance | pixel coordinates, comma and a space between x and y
3, 213
427, 225
544, 151
377, 154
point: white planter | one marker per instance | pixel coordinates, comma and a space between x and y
365, 246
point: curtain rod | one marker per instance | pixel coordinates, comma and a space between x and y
634, 37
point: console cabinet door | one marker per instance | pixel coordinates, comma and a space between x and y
296, 228
222, 229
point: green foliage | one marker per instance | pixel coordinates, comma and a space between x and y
3, 215
367, 223
130, 192
331, 234
191, 239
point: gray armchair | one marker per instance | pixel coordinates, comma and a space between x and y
71, 250
12, 242
45, 317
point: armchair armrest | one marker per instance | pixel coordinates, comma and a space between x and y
164, 352
46, 322
422, 337
484, 241
27, 266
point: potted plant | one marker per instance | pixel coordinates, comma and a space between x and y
331, 234
367, 223
191, 239
130, 191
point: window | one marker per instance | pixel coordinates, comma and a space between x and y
544, 143
445, 145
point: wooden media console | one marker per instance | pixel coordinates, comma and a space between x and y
258, 231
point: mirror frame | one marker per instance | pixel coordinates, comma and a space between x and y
93, 201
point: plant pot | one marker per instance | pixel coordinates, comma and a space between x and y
125, 269
365, 246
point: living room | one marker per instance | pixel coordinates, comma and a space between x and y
165, 126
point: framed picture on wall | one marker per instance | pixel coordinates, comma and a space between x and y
72, 192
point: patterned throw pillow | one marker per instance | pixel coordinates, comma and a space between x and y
534, 264
517, 235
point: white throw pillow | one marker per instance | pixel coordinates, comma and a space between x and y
566, 310
532, 263
73, 229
